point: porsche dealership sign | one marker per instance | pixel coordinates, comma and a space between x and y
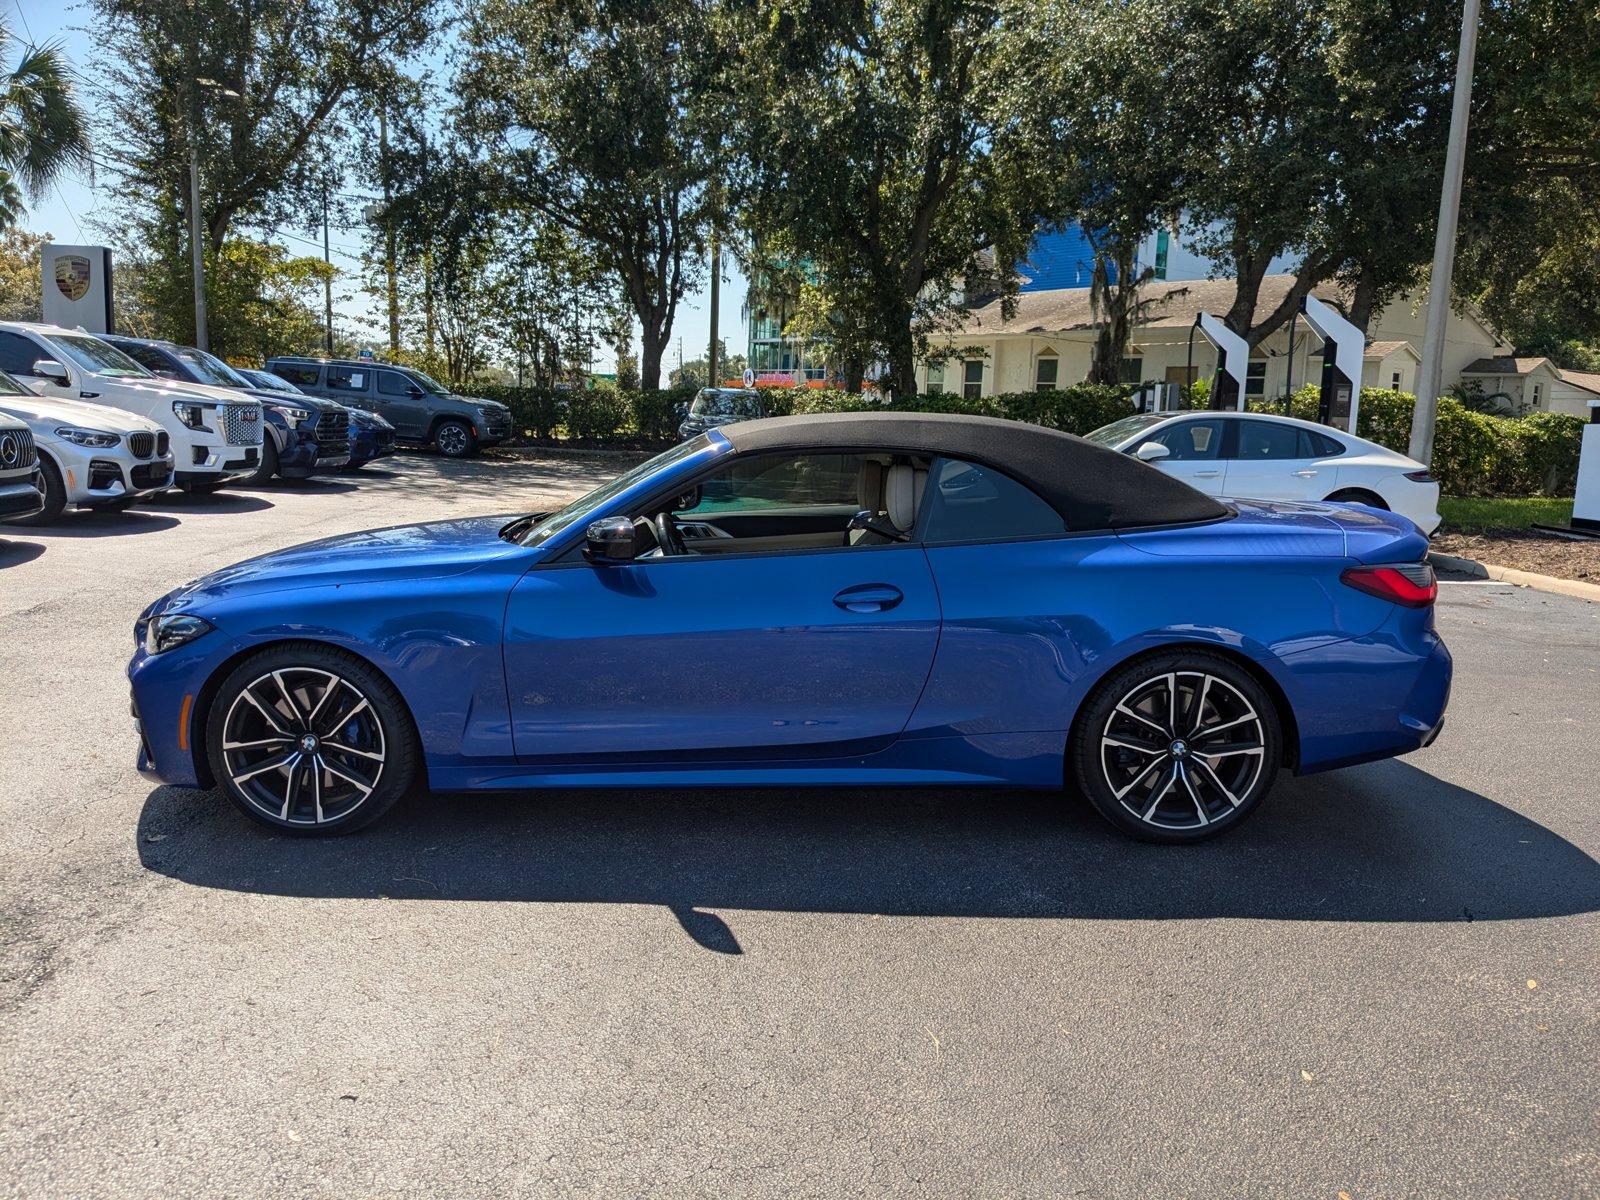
77, 287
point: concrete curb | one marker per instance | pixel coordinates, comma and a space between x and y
1528, 579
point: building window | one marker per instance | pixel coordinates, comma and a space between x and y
1255, 377
1394, 382
1536, 390
972, 378
1045, 379
1131, 370
935, 378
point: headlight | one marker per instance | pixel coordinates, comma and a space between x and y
298, 415
97, 438
190, 413
171, 630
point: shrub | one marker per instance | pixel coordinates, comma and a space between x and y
533, 410
657, 412
596, 414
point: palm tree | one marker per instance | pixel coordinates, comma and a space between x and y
43, 131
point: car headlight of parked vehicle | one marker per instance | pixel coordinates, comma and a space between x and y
297, 416
171, 630
191, 414
95, 438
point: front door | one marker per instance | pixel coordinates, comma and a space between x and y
403, 404
1194, 447
738, 656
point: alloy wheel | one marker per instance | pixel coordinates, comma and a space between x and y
302, 745
452, 440
1182, 750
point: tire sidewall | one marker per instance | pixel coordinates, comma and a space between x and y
471, 444
55, 494
399, 734
1084, 753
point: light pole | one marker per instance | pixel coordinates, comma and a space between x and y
1444, 243
202, 337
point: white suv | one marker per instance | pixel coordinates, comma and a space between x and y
215, 432
90, 456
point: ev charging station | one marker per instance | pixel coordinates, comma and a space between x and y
1586, 502
1233, 361
1341, 371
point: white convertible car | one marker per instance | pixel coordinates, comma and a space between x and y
1257, 456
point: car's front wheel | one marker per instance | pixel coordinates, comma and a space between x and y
54, 491
1177, 747
455, 439
311, 740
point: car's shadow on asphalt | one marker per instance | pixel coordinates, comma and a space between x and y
206, 502
1385, 842
104, 524
14, 553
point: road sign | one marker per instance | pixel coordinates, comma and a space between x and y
749, 377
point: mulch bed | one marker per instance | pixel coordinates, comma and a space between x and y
1526, 550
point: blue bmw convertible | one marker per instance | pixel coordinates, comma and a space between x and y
845, 599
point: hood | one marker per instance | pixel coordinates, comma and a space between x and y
481, 400
180, 389
402, 552
288, 400
50, 411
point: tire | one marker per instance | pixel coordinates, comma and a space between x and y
1146, 772
1359, 496
455, 438
269, 463
55, 495
300, 698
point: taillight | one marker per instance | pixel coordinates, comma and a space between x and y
1410, 584
1419, 476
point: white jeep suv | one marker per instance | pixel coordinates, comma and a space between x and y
215, 432
90, 456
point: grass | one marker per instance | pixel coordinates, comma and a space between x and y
1466, 515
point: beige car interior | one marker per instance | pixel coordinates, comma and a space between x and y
890, 486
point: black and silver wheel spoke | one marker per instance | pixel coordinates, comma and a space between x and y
303, 745
1182, 749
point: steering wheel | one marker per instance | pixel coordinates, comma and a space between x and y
671, 541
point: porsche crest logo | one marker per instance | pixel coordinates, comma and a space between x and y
72, 276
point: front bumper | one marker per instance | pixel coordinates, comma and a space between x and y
368, 444
103, 480
21, 497
165, 698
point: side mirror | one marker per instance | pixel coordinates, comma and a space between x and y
610, 541
1152, 452
413, 390
49, 368
868, 520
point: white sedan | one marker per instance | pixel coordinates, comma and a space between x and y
1262, 457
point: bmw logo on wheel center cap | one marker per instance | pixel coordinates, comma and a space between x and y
1180, 749
308, 743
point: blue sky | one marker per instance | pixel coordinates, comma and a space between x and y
67, 212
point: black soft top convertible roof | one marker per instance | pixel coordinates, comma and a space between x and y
1091, 486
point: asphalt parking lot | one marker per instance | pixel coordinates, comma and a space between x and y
1386, 984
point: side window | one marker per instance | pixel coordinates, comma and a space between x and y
1260, 440
392, 383
1318, 445
349, 379
1191, 440
970, 503
300, 374
18, 354
775, 482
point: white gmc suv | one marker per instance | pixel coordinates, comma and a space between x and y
215, 432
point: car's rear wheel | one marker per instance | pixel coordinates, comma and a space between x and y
455, 439
1177, 747
1359, 496
311, 740
54, 490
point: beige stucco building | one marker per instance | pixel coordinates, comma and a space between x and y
1534, 384
1048, 342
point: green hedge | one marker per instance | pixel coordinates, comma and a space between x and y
591, 414
1474, 453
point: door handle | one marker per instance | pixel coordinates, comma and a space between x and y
1303, 474
869, 598
1206, 474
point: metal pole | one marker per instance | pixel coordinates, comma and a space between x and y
716, 285
327, 279
196, 246
1444, 243
388, 227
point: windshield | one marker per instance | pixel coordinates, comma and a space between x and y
211, 369
10, 387
267, 381
1121, 431
425, 382
712, 402
580, 508
97, 357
